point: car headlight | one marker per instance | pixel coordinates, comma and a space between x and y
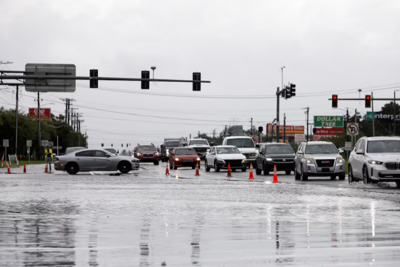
269, 159
177, 159
253, 154
243, 161
310, 161
221, 160
156, 153
139, 154
198, 159
375, 162
339, 160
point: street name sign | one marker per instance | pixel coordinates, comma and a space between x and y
328, 121
48, 84
352, 129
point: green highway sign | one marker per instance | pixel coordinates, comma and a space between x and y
328, 121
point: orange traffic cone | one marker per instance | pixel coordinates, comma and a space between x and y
24, 168
275, 181
229, 171
251, 171
167, 170
8, 168
197, 169
46, 169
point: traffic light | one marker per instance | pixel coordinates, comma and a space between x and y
102, 144
314, 130
260, 129
288, 93
111, 145
126, 145
334, 101
283, 93
145, 75
122, 145
196, 85
94, 83
292, 90
368, 101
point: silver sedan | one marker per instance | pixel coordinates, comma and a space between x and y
95, 160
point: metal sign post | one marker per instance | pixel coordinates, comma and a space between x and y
29, 145
6, 143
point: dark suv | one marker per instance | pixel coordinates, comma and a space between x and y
147, 153
281, 155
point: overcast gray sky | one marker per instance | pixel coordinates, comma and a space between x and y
327, 47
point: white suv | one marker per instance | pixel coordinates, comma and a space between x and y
246, 146
200, 145
375, 159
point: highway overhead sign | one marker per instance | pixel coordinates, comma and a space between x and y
50, 85
352, 129
328, 121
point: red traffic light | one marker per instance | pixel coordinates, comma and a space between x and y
334, 97
334, 101
368, 101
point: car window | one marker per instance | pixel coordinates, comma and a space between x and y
186, 152
300, 147
321, 149
198, 142
228, 150
212, 150
279, 149
383, 146
362, 145
147, 148
357, 145
86, 153
241, 142
100, 154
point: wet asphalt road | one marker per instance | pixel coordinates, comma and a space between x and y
147, 219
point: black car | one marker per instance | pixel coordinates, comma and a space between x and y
281, 155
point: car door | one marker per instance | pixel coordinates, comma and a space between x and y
260, 160
102, 161
211, 157
356, 162
298, 157
85, 160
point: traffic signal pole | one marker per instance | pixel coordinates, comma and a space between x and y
277, 114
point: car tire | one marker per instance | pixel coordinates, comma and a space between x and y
244, 169
156, 162
333, 177
206, 166
233, 170
398, 184
350, 175
288, 172
366, 179
266, 171
258, 172
193, 167
342, 177
124, 167
304, 177
170, 165
72, 168
217, 169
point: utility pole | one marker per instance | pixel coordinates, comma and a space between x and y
284, 127
214, 136
373, 115
39, 137
308, 113
277, 115
251, 127
198, 134
16, 121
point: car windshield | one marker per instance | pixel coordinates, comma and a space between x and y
172, 143
321, 149
384, 146
147, 148
198, 142
185, 152
240, 142
228, 150
111, 150
279, 149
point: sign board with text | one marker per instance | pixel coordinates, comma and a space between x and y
45, 143
328, 121
291, 130
28, 143
44, 113
298, 138
6, 142
347, 146
329, 131
382, 116
48, 84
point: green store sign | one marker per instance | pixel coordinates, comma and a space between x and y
328, 121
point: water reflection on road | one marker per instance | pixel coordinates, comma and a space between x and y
125, 221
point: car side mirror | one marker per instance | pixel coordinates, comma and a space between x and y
300, 152
359, 152
340, 151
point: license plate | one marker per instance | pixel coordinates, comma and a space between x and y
187, 160
325, 169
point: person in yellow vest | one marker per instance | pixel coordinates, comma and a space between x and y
48, 154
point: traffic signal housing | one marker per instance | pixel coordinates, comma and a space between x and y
287, 93
196, 85
260, 129
292, 90
145, 75
334, 101
94, 83
368, 101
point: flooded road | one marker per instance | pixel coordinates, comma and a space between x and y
146, 219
